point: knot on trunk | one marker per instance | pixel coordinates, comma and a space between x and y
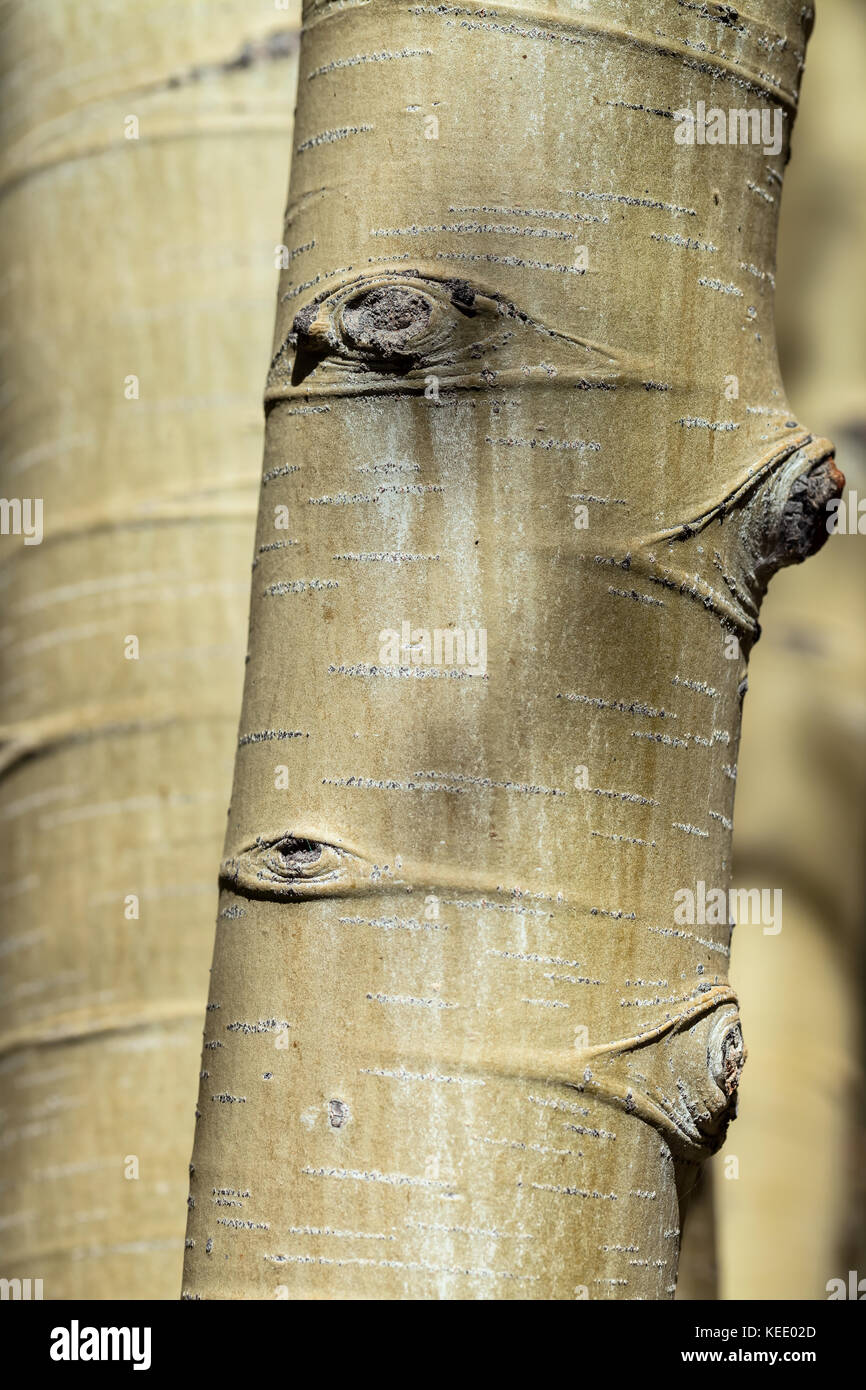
793, 518
680, 1076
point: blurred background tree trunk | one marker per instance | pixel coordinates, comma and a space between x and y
142, 182
799, 1138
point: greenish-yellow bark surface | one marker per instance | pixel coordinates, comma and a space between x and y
524, 395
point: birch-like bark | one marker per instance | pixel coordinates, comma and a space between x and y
524, 394
142, 179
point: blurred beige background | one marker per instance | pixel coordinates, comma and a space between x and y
793, 1218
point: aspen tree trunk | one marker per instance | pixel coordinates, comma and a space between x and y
524, 393
141, 184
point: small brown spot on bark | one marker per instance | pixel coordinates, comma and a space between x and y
338, 1113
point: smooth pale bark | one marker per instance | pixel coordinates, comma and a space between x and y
150, 257
458, 1045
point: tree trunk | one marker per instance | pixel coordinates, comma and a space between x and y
143, 159
528, 470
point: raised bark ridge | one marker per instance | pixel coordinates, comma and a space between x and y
448, 889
